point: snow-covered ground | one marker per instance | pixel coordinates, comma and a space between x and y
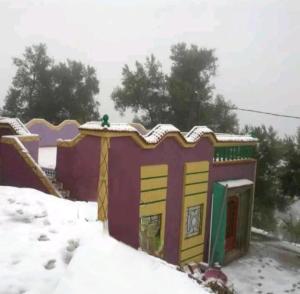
269, 267
47, 157
52, 245
121, 269
294, 210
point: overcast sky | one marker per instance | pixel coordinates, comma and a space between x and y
257, 43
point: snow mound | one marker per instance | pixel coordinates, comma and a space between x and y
39, 234
108, 266
52, 245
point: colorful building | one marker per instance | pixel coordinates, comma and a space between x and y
182, 197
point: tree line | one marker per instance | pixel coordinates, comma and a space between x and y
42, 88
185, 97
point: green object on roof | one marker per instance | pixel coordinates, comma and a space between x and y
105, 122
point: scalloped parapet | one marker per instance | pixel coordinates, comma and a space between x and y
36, 121
159, 132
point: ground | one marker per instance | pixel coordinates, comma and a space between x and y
52, 245
269, 267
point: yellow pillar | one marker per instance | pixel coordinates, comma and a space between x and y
103, 180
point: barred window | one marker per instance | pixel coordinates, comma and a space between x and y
194, 221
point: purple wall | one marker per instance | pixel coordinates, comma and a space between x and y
15, 171
77, 168
33, 149
125, 160
48, 136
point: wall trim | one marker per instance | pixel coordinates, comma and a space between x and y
36, 121
140, 140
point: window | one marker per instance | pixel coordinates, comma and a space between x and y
151, 219
194, 221
150, 233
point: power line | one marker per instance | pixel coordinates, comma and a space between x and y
263, 112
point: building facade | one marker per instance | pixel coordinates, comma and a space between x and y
184, 197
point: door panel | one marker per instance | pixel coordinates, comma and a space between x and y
232, 223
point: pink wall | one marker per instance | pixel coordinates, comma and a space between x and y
78, 168
15, 171
48, 136
125, 160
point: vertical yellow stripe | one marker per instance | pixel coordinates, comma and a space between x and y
103, 180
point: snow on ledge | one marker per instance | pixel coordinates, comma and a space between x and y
236, 183
158, 132
115, 127
231, 137
16, 125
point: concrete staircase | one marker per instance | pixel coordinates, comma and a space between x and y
51, 174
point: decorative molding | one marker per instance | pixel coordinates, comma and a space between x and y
71, 142
28, 138
36, 121
20, 148
142, 142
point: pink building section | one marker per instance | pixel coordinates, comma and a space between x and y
79, 164
78, 168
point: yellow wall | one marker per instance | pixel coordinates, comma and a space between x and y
153, 187
194, 194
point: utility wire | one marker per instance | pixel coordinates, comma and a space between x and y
263, 112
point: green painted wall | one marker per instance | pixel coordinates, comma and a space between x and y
218, 229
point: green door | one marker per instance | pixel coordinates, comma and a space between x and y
218, 224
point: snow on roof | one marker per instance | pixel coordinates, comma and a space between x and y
158, 132
196, 132
16, 125
115, 127
231, 137
236, 183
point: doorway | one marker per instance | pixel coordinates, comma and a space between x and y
232, 223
